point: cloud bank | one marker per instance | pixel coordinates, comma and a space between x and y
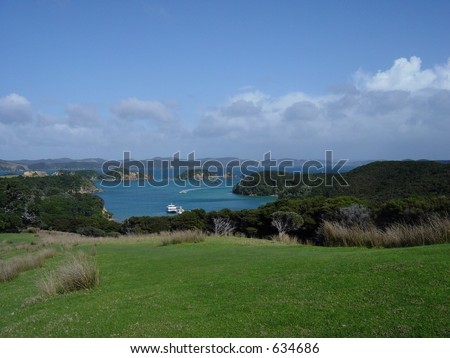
400, 112
403, 112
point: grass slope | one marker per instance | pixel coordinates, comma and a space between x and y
231, 287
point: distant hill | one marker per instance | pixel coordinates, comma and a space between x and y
378, 180
12, 166
59, 160
73, 165
51, 164
96, 163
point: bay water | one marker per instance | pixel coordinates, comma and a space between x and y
137, 199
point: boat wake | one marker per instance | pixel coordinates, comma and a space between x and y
188, 190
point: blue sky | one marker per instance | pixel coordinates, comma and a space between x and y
367, 79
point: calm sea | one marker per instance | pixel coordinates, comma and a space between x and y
134, 200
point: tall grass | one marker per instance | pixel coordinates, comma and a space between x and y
79, 272
283, 237
432, 231
9, 269
181, 237
66, 238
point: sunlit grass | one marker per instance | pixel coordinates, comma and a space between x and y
235, 287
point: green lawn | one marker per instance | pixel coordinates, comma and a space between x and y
231, 287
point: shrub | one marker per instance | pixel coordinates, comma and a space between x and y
286, 221
223, 226
355, 215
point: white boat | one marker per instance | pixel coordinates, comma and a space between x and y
180, 210
171, 208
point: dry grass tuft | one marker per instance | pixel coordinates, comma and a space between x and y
48, 285
432, 231
283, 237
181, 237
80, 272
9, 269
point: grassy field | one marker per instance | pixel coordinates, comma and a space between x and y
232, 287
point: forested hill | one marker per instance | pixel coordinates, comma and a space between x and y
378, 180
59, 202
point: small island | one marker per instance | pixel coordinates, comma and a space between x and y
202, 174
125, 174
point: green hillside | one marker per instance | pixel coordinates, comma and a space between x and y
232, 287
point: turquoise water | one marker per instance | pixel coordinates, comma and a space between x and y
124, 202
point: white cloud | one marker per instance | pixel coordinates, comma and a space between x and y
406, 75
15, 109
136, 109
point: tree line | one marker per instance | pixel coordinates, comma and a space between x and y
307, 216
